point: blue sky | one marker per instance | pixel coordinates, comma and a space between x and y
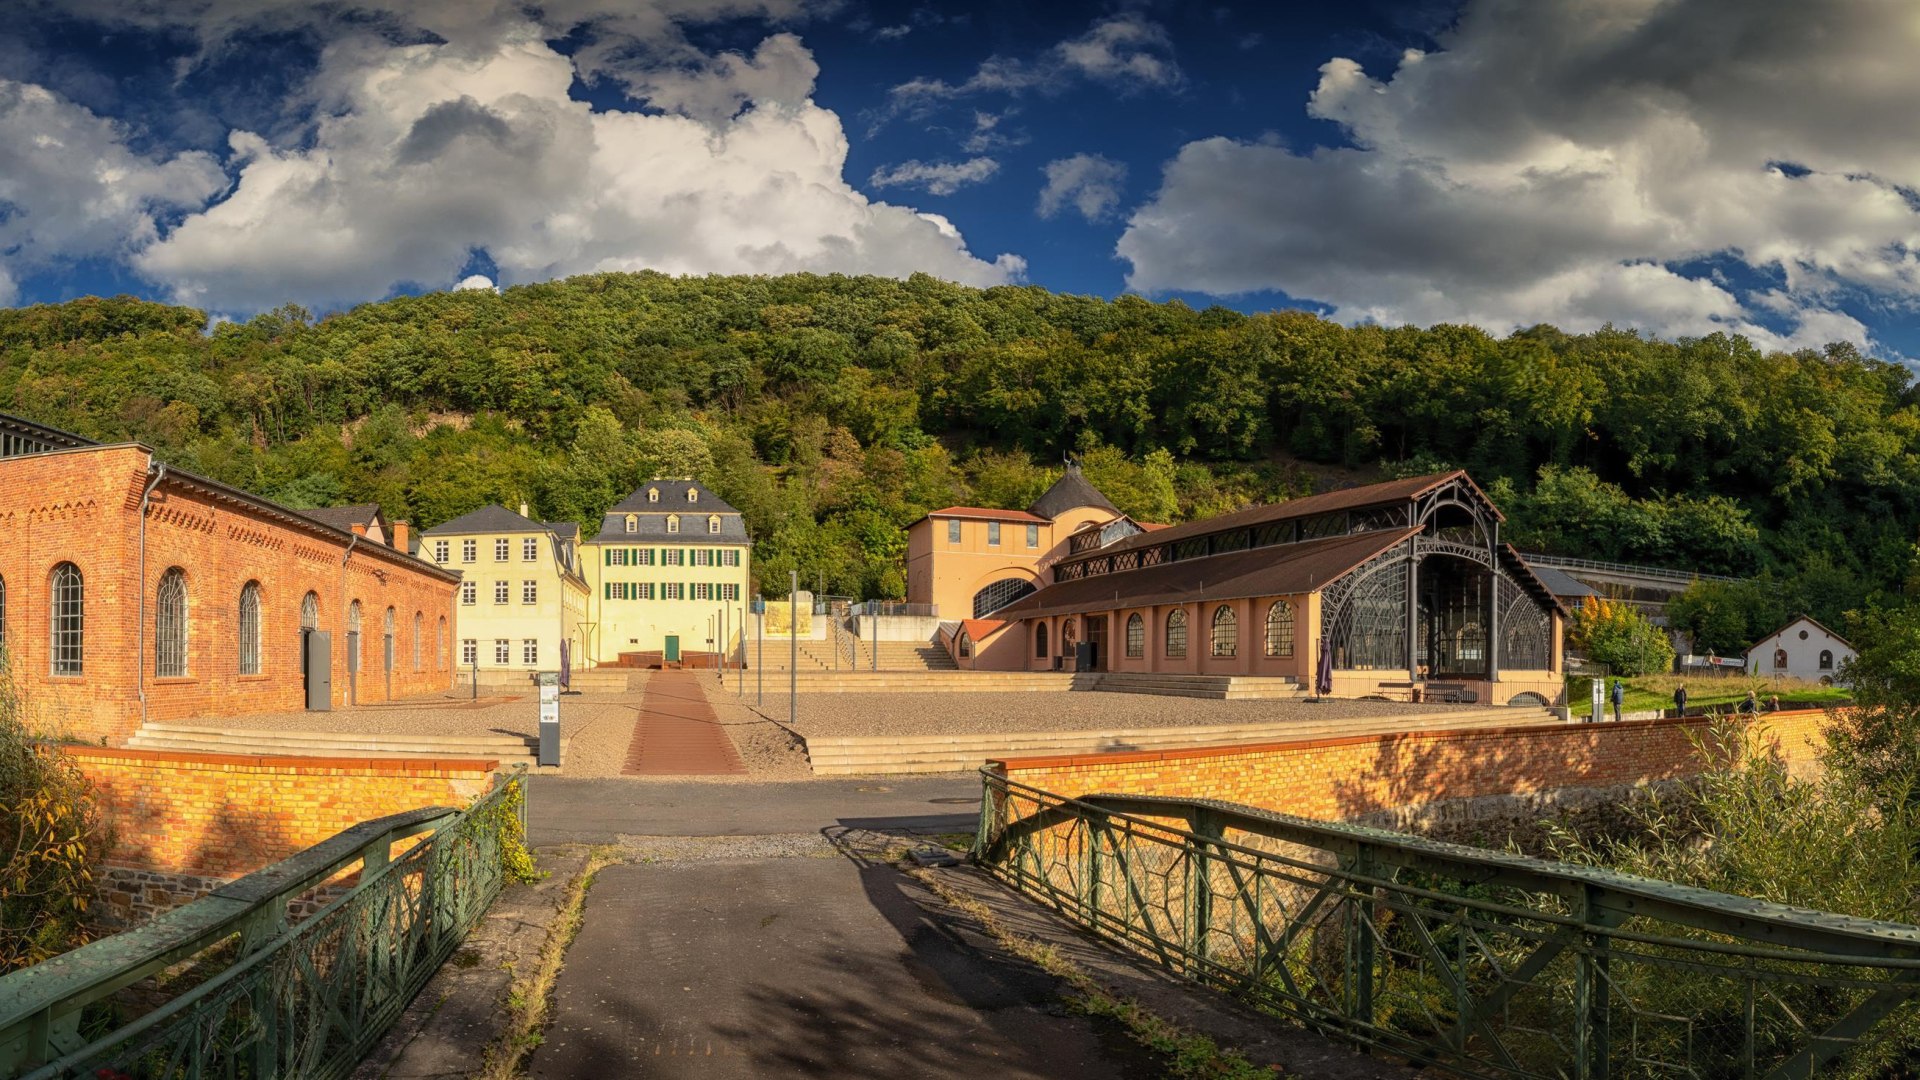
1680, 167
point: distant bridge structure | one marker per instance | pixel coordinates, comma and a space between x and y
1648, 588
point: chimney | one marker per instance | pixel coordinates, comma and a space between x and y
523, 510
359, 528
400, 537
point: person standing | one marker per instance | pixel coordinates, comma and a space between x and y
1680, 700
1619, 694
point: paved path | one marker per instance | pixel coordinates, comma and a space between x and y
804, 967
678, 734
569, 811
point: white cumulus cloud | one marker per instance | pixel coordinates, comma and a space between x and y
421, 154
1557, 160
71, 189
937, 177
1089, 183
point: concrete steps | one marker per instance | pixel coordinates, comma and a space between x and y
929, 682
508, 749
855, 755
1213, 687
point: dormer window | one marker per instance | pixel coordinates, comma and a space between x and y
673, 523
693, 495
633, 523
713, 523
653, 494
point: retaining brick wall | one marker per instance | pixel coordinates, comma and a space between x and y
221, 815
1359, 776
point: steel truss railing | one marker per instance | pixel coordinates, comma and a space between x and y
279, 998
1480, 963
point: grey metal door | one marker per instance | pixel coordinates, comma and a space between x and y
316, 647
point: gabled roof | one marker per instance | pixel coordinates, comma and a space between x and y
1270, 571
1072, 490
487, 519
346, 517
1798, 619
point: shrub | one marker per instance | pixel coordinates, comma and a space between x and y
1620, 637
50, 837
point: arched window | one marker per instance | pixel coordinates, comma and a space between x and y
1177, 634
633, 523
419, 625
354, 651
693, 495
998, 594
1136, 635
1780, 658
673, 523
3, 611
388, 623
1040, 640
1280, 629
966, 644
653, 495
1069, 630
68, 620
1826, 659
1226, 631
443, 643
170, 626
250, 628
310, 611
713, 523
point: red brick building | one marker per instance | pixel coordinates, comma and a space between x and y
133, 591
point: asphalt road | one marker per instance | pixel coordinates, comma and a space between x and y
600, 811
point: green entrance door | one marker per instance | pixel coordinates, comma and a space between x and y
673, 649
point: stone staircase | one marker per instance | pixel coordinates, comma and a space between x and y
818, 656
1212, 687
926, 682
851, 755
509, 750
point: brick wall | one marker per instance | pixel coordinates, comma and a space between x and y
1368, 775
219, 816
83, 507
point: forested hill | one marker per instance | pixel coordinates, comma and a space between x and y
833, 410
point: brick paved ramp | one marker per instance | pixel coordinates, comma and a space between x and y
678, 734
803, 967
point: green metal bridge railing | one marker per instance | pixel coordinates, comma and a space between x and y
1480, 963
289, 999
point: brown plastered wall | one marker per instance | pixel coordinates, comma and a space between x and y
1344, 778
223, 815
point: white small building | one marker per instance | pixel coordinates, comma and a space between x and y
1802, 649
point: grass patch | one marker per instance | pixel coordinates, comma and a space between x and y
530, 997
1656, 692
1188, 1055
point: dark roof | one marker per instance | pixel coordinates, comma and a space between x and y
1070, 491
985, 514
52, 436
1354, 498
487, 519
1282, 570
1560, 583
673, 499
566, 530
345, 517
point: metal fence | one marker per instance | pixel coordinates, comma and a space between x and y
1623, 569
1480, 963
270, 997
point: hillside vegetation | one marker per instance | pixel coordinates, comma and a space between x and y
833, 410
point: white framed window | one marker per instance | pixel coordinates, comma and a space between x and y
1033, 536
530, 592
633, 523
993, 534
653, 495
693, 495
953, 532
673, 523
643, 557
729, 592
502, 651
469, 593
702, 590
713, 523
501, 546
440, 551
673, 590
469, 652
500, 592
730, 557
672, 557
469, 550
529, 549
530, 652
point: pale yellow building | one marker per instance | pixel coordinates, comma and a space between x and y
668, 559
522, 593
